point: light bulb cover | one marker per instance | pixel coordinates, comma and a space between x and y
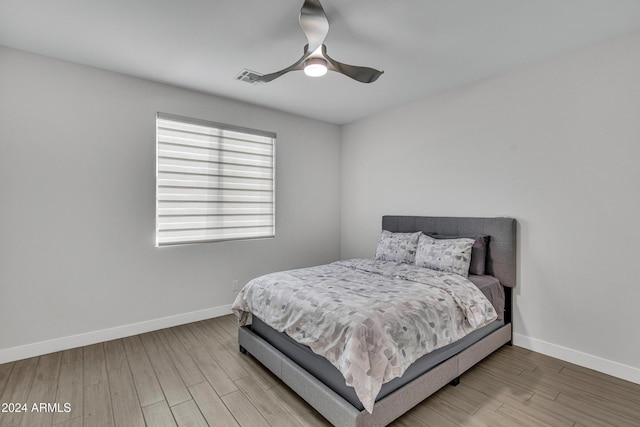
315, 67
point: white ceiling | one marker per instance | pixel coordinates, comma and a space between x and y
423, 46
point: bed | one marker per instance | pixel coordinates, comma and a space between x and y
384, 388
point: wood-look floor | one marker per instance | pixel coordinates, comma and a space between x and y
194, 375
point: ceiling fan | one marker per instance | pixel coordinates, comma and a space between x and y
315, 61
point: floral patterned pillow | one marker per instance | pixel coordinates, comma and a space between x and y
446, 255
397, 247
478, 250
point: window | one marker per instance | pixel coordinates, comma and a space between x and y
213, 182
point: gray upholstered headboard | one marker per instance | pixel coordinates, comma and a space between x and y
501, 254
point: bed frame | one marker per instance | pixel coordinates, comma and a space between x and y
501, 263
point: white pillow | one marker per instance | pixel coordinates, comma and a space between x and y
397, 247
446, 255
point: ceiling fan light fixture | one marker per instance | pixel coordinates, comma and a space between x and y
314, 61
315, 67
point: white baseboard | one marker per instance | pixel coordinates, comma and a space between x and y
609, 367
65, 343
615, 369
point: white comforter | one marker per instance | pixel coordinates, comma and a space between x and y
370, 319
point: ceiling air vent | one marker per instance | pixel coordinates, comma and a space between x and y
249, 77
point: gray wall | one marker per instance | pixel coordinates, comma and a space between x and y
77, 194
555, 145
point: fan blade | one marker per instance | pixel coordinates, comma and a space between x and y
298, 65
314, 23
361, 74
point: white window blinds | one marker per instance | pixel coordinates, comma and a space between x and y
213, 182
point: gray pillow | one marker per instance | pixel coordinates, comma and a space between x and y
446, 255
478, 251
397, 247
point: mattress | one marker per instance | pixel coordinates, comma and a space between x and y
493, 290
328, 374
323, 370
371, 319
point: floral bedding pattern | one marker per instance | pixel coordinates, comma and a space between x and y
398, 247
449, 255
371, 319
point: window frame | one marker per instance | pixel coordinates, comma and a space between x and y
220, 176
